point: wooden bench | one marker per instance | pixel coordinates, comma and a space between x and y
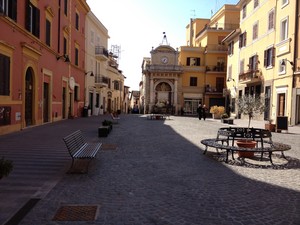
79, 149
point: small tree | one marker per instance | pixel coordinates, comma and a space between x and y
250, 105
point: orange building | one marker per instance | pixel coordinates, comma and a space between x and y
42, 61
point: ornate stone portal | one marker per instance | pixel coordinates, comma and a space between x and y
161, 75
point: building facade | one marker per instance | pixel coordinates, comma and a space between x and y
161, 81
204, 60
42, 49
261, 57
54, 64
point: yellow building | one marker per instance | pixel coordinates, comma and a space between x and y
259, 53
204, 59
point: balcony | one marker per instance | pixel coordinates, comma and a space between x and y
213, 90
101, 81
250, 76
101, 53
219, 26
216, 48
220, 67
164, 68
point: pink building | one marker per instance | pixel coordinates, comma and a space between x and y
42, 53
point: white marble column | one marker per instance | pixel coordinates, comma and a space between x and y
175, 96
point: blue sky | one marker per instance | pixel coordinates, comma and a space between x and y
138, 25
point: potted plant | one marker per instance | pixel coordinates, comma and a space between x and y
6, 166
224, 116
217, 111
249, 105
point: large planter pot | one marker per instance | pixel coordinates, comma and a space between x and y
216, 116
270, 127
246, 144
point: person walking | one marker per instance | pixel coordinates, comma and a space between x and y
199, 111
204, 109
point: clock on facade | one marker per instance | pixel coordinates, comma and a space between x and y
164, 59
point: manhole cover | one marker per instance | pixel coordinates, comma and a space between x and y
76, 213
109, 147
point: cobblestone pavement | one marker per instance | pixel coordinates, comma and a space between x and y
151, 172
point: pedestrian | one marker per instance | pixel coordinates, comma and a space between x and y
199, 111
204, 109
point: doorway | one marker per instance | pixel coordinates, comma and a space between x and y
281, 104
46, 103
29, 90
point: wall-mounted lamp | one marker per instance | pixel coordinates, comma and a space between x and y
65, 57
92, 74
230, 79
283, 62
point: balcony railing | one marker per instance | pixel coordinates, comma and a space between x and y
216, 48
249, 75
211, 90
101, 53
164, 68
102, 81
220, 67
219, 26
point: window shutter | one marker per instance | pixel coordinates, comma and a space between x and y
256, 62
265, 58
188, 61
273, 56
13, 10
198, 62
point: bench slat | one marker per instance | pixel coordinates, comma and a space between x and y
78, 148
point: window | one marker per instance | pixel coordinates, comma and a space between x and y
242, 66
255, 31
244, 11
77, 21
193, 61
76, 56
4, 75
219, 84
242, 39
256, 3
284, 29
66, 7
230, 48
269, 57
48, 32
33, 19
253, 61
193, 81
9, 8
271, 19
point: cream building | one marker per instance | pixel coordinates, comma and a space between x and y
104, 89
259, 53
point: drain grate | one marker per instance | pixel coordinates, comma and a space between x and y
76, 213
109, 147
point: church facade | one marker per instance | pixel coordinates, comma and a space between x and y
161, 83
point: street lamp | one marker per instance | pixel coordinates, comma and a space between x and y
65, 57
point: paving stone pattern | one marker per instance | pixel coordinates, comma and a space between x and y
156, 175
